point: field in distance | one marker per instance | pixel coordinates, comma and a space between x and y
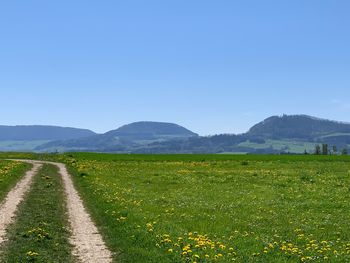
217, 208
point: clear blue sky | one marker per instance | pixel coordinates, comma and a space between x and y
212, 66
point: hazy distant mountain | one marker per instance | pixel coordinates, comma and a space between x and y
125, 138
27, 138
41, 132
297, 127
147, 130
277, 134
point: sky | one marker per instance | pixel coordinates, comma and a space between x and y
212, 66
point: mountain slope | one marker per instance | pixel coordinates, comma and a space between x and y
125, 138
146, 130
277, 134
41, 132
27, 138
288, 133
297, 127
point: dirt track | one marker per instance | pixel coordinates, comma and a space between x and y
88, 245
9, 206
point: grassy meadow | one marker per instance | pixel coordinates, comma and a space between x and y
10, 173
199, 208
218, 208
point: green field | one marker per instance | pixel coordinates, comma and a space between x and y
209, 208
10, 173
218, 208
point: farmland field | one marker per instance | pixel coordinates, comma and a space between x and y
218, 208
211, 208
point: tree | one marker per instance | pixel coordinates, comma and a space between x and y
325, 149
317, 149
335, 150
344, 151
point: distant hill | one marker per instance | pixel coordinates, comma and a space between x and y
27, 138
276, 134
41, 132
147, 130
125, 138
297, 127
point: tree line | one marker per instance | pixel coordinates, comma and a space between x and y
324, 149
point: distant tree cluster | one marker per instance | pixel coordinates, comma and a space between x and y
324, 149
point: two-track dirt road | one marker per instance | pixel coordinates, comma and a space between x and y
88, 244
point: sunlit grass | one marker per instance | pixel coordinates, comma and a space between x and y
218, 209
10, 173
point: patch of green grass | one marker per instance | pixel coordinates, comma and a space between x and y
40, 232
10, 173
218, 208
